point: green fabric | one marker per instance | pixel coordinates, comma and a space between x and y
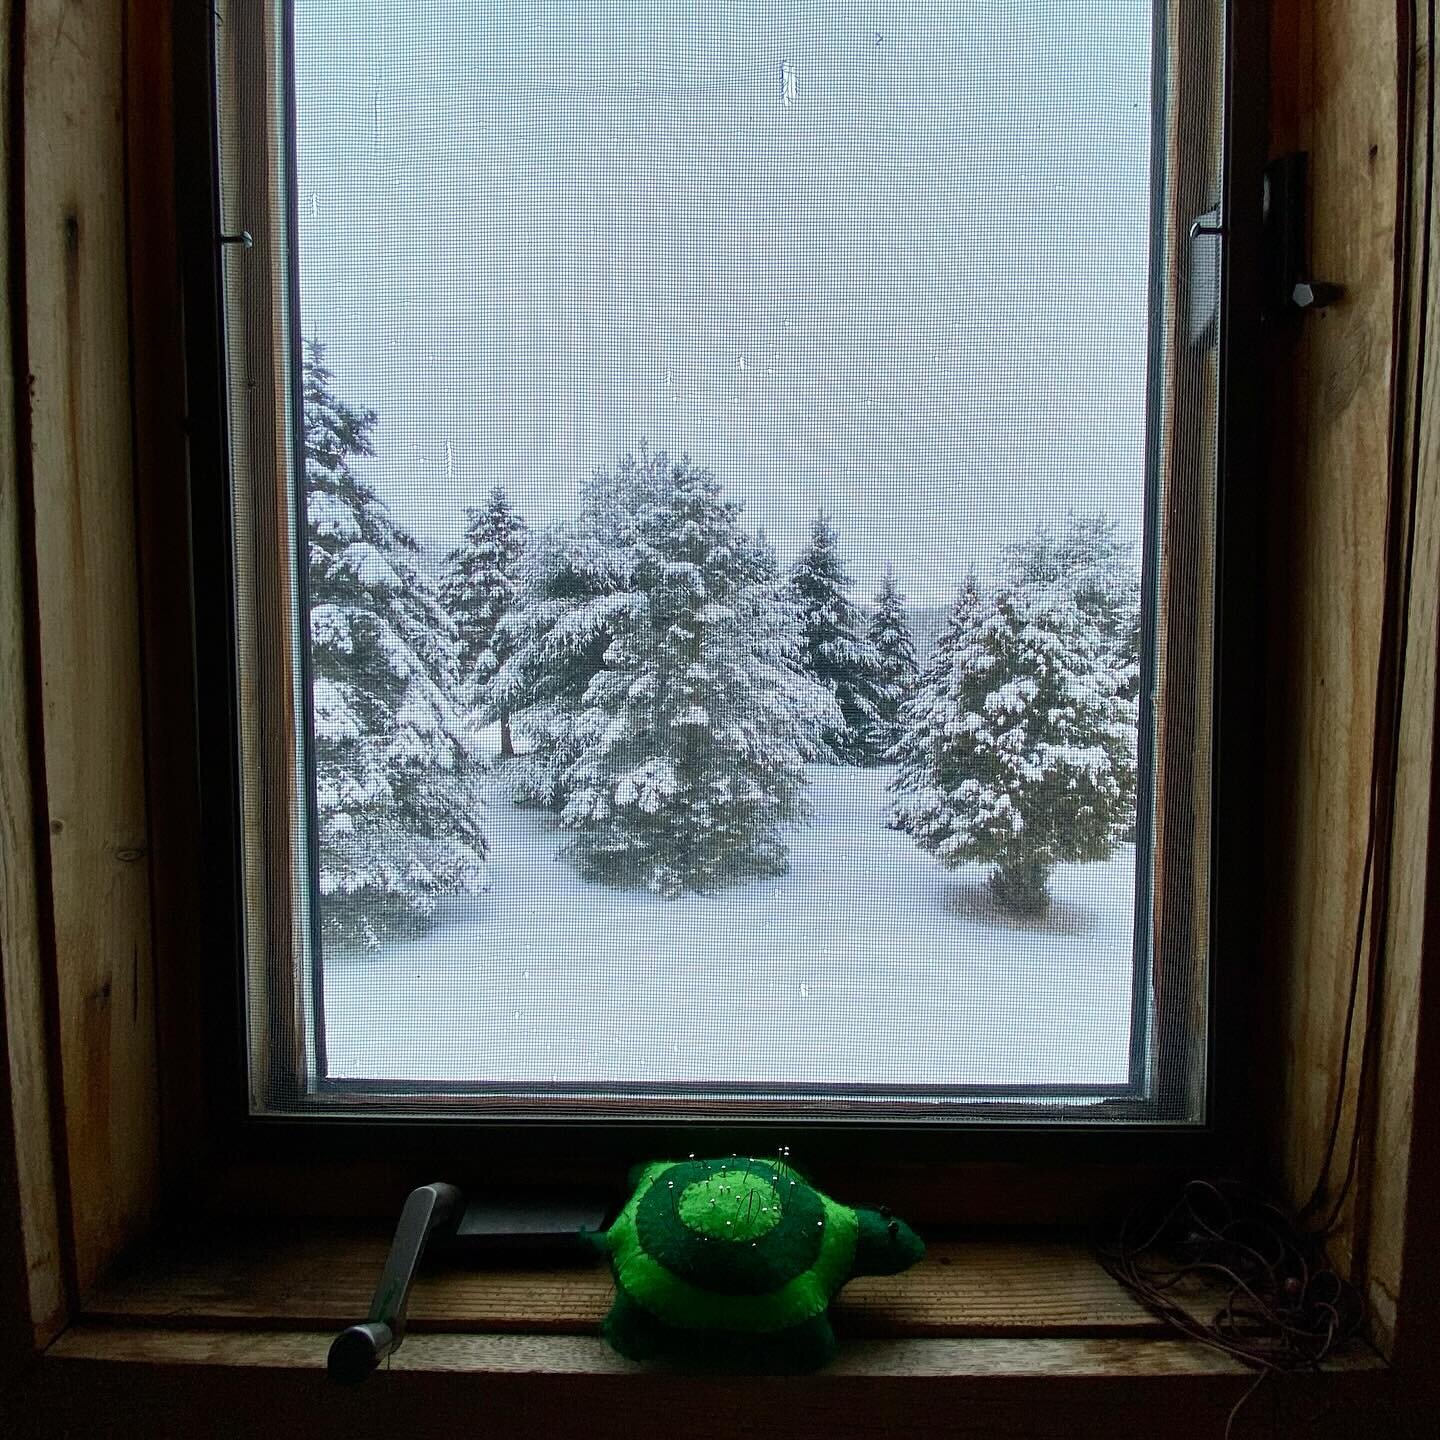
687, 1306
729, 1205
751, 1294
755, 1268
885, 1246
639, 1335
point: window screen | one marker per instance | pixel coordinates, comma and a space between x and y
724, 507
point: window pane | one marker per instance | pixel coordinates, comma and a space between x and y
753, 491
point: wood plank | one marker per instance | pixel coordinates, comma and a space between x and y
22, 951
105, 1381
79, 348
1184, 549
1336, 90
571, 1354
981, 1285
1415, 893
1339, 95
261, 440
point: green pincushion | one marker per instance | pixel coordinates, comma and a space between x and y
734, 1262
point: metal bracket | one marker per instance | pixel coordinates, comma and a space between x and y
1207, 238
1289, 288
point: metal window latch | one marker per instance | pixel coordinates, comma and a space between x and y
1207, 236
542, 1229
1289, 287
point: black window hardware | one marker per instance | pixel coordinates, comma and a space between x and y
1290, 289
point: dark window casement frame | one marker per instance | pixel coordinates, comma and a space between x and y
565, 1145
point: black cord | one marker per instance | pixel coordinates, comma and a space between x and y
1280, 1305
1243, 1401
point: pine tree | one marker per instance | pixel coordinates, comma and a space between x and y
477, 585
697, 729
1089, 558
570, 583
923, 717
835, 650
1019, 751
889, 636
398, 779
1126, 645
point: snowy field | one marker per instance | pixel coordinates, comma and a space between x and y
866, 964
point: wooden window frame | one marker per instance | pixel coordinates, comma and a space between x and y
99, 950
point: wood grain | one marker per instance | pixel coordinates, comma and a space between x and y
79, 347
274, 1276
22, 956
1336, 86
1186, 408
262, 440
1414, 890
559, 1355
1341, 95
107, 1381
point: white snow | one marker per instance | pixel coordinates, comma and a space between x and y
866, 964
369, 566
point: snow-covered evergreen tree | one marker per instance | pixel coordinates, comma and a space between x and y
924, 716
1126, 642
477, 584
968, 600
571, 582
1019, 751
889, 636
398, 778
697, 729
765, 557
836, 651
1090, 559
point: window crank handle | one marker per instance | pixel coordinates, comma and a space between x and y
355, 1352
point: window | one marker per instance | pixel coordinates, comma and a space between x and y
724, 549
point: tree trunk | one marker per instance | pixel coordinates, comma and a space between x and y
1022, 888
507, 746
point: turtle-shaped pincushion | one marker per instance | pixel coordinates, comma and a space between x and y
733, 1263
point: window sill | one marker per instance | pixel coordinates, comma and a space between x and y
979, 1286
902, 1358
1016, 1335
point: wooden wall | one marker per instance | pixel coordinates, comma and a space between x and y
1344, 399
22, 971
1333, 95
70, 318
1404, 1111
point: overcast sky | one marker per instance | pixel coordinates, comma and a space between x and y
535, 234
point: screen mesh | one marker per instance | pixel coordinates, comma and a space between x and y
725, 499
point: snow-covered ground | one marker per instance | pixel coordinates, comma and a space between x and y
866, 964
